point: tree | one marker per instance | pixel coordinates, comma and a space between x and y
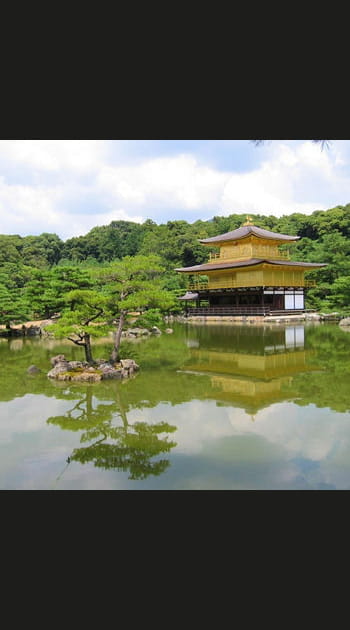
41, 251
106, 242
9, 249
340, 292
78, 322
133, 284
46, 289
11, 307
39, 294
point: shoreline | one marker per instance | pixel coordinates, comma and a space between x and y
35, 328
257, 319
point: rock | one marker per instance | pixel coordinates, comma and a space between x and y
125, 368
330, 316
169, 331
111, 373
59, 368
33, 330
133, 332
129, 364
104, 365
33, 369
76, 365
80, 377
57, 359
155, 330
345, 321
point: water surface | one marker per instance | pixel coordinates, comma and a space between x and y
213, 407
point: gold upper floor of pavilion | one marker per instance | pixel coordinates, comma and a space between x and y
246, 242
249, 257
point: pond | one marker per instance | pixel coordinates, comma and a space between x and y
213, 407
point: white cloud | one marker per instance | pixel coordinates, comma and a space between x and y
70, 186
274, 188
53, 155
32, 210
175, 181
22, 207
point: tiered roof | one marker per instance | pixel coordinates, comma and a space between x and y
244, 232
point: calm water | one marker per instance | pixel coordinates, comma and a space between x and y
213, 407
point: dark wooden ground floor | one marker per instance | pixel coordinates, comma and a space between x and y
252, 301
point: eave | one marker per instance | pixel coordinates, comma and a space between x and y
248, 263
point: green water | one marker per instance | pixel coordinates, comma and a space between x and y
212, 407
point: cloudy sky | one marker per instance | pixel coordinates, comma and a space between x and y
68, 187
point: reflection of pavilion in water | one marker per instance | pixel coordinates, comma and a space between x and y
253, 376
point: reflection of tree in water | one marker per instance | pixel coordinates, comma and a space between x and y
124, 447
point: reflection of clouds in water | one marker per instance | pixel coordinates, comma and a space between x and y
28, 413
304, 447
285, 447
197, 422
40, 450
192, 343
303, 431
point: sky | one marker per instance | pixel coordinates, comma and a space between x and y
67, 187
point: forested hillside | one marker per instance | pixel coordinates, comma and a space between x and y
37, 271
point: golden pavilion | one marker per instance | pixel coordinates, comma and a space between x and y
249, 274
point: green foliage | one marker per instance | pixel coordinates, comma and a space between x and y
152, 317
105, 243
39, 251
39, 270
82, 308
46, 289
340, 293
12, 308
9, 249
133, 283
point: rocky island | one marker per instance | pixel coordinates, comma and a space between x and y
81, 371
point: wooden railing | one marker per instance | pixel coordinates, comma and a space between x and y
224, 258
232, 284
230, 310
198, 286
241, 310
